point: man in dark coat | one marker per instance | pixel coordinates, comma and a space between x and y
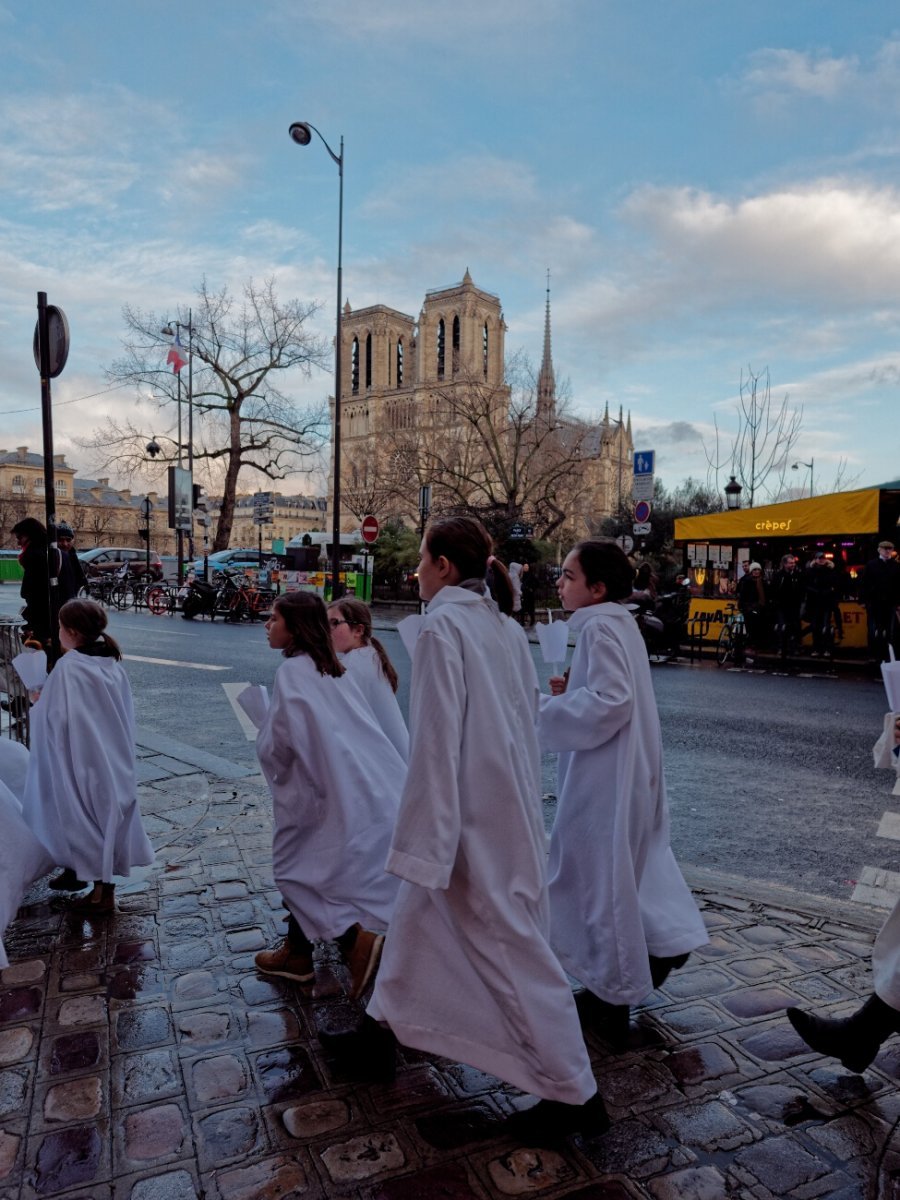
881, 596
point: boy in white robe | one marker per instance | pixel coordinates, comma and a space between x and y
621, 914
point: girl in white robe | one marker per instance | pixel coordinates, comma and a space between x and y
22, 860
81, 789
366, 660
467, 970
621, 914
335, 779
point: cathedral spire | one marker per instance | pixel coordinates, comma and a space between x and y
546, 392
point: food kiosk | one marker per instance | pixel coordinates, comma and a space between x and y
846, 526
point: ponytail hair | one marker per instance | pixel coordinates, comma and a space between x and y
87, 619
500, 585
357, 614
306, 618
463, 541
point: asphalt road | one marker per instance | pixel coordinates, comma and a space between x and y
770, 777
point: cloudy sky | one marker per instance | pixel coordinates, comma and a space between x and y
712, 186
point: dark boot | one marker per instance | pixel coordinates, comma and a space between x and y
549, 1121
370, 1050
660, 968
853, 1040
67, 881
611, 1021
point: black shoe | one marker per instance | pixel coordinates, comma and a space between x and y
853, 1040
549, 1121
67, 881
611, 1021
370, 1050
661, 968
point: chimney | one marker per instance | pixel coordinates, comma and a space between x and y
22, 452
104, 482
125, 493
59, 460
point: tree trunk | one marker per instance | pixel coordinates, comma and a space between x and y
229, 492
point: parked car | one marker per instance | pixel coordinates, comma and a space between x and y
236, 559
103, 560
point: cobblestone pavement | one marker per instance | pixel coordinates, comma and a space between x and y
143, 1058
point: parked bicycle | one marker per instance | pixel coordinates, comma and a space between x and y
732, 643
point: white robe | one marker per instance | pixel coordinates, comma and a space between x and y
616, 893
364, 666
81, 791
467, 970
335, 781
13, 766
886, 960
22, 860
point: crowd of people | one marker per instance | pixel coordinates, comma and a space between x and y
421, 853
795, 600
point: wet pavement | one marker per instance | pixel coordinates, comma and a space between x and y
143, 1058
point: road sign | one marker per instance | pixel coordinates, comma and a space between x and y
641, 527
644, 461
57, 341
642, 511
626, 542
369, 529
642, 487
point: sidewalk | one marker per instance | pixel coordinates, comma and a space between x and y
143, 1058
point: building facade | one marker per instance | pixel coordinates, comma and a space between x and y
402, 376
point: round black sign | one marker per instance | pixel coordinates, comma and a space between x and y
57, 341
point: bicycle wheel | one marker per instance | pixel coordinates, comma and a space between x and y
724, 646
157, 598
122, 596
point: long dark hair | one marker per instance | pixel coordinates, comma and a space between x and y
32, 531
306, 618
605, 562
88, 619
464, 542
356, 613
500, 585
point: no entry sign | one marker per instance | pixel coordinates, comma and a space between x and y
370, 529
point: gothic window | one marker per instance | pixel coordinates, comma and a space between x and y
456, 345
484, 350
354, 367
440, 348
399, 362
368, 361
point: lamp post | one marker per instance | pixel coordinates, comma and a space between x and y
809, 466
168, 331
733, 493
301, 132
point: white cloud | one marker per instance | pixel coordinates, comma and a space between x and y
783, 72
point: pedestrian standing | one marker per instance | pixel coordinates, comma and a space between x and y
35, 590
366, 661
335, 781
622, 916
81, 788
468, 972
786, 592
881, 596
70, 571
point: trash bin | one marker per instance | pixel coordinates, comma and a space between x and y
14, 702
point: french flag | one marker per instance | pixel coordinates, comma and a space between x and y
176, 355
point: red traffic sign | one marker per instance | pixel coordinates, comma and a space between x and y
370, 529
642, 511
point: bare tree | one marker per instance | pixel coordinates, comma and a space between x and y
241, 417
760, 451
494, 452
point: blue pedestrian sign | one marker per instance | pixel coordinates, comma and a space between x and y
643, 462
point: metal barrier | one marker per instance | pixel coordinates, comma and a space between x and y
14, 702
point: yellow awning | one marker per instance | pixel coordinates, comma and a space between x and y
841, 512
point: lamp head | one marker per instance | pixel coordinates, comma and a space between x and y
153, 448
300, 133
167, 330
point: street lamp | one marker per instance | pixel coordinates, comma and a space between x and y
733, 493
301, 132
168, 331
809, 466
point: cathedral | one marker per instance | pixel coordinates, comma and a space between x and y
411, 388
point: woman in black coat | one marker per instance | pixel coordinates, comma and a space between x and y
35, 591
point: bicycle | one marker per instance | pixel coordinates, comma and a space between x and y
732, 643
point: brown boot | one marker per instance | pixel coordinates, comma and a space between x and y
100, 901
289, 964
362, 959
